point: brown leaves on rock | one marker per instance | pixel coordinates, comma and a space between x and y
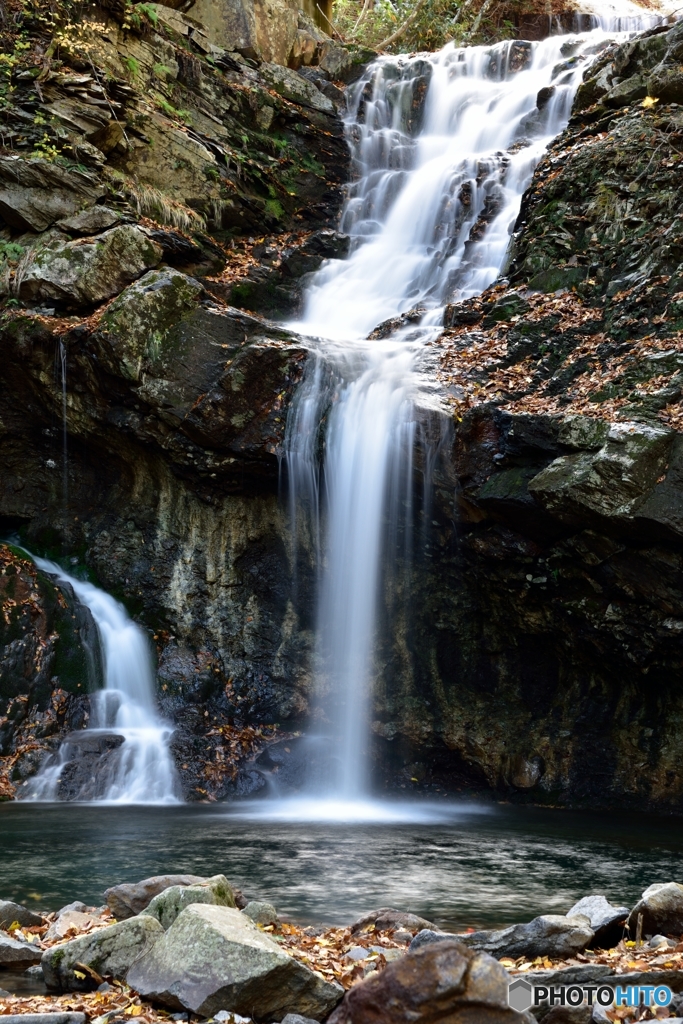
580, 371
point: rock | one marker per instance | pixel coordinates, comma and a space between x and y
131, 898
108, 951
214, 958
442, 982
168, 904
606, 921
628, 91
549, 935
44, 1018
386, 919
426, 936
666, 83
11, 912
83, 273
296, 88
568, 1015
610, 483
344, 63
662, 908
76, 905
661, 940
357, 953
296, 1018
18, 955
148, 308
90, 759
70, 920
89, 222
261, 913
34, 194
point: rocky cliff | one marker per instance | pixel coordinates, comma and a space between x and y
539, 648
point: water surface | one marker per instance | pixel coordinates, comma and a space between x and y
478, 866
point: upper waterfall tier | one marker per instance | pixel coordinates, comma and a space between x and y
444, 146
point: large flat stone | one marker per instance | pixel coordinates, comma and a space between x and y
88, 271
109, 952
214, 958
34, 194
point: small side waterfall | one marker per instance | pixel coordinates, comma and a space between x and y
444, 146
137, 766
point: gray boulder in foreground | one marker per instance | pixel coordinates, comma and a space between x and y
108, 951
17, 955
11, 912
549, 935
214, 958
662, 908
131, 898
605, 920
172, 901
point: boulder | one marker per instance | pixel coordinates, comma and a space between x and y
548, 935
261, 913
90, 222
386, 919
214, 958
295, 88
168, 904
628, 91
666, 83
108, 951
137, 321
34, 193
296, 1018
17, 955
88, 271
11, 912
662, 908
442, 982
606, 921
609, 483
70, 920
131, 898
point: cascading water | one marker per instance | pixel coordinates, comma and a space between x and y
140, 769
444, 146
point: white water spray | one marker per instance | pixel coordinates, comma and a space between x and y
141, 769
439, 184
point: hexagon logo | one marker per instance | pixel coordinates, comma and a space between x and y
519, 995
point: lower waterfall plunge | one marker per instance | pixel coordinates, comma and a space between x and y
444, 146
123, 716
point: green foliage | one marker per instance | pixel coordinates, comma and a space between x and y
149, 11
11, 251
45, 150
132, 66
436, 23
274, 209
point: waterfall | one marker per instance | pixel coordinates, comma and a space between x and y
137, 766
443, 146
